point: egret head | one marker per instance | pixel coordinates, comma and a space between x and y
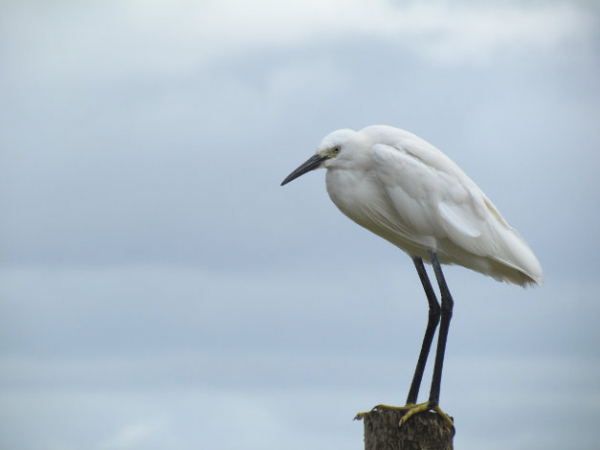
330, 148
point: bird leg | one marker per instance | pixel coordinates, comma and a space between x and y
436, 315
446, 315
432, 323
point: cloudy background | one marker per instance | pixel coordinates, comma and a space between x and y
159, 290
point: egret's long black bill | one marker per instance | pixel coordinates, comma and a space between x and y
313, 163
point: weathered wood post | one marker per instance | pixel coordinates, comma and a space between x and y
423, 431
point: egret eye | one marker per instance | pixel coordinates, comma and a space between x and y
336, 149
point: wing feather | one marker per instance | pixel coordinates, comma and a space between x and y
435, 198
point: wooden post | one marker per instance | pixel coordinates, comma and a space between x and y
423, 431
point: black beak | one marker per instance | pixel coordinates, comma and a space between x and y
313, 163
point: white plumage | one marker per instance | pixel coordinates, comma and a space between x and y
405, 190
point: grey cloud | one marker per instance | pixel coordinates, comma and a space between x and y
156, 279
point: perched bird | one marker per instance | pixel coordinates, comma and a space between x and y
405, 190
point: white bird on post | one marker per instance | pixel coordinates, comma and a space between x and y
405, 190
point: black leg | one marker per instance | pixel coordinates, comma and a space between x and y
432, 323
446, 315
437, 315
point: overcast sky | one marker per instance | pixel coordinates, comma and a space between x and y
160, 290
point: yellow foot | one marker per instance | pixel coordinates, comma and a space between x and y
411, 410
361, 415
422, 407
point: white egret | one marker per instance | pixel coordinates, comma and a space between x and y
405, 190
